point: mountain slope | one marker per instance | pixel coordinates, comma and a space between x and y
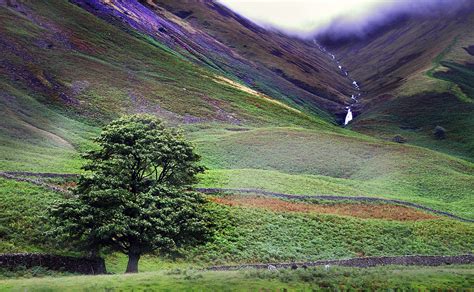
417, 74
286, 68
63, 74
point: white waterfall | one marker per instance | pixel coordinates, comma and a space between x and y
354, 97
348, 117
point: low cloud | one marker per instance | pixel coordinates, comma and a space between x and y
346, 26
339, 18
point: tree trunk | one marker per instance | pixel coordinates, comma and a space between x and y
132, 266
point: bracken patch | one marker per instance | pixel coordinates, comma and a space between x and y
373, 211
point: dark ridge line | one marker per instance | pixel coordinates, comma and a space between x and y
333, 198
14, 176
365, 262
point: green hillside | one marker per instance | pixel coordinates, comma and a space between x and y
66, 72
417, 74
61, 104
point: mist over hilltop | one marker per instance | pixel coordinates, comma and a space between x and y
340, 19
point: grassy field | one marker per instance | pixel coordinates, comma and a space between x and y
304, 161
380, 278
249, 234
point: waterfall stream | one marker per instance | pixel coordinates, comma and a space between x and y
348, 116
355, 85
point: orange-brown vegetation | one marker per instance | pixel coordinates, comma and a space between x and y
67, 185
360, 210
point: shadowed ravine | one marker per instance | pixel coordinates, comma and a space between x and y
356, 95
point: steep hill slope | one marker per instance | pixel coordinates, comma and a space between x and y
417, 74
64, 71
209, 34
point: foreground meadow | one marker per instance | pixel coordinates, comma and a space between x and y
381, 278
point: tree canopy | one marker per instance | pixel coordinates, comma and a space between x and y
135, 196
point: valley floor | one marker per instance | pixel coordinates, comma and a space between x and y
456, 277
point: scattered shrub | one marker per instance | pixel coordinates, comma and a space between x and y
399, 139
439, 133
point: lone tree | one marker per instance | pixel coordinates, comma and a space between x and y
136, 196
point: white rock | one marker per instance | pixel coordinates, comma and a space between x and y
272, 268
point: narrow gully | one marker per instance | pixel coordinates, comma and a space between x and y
357, 94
